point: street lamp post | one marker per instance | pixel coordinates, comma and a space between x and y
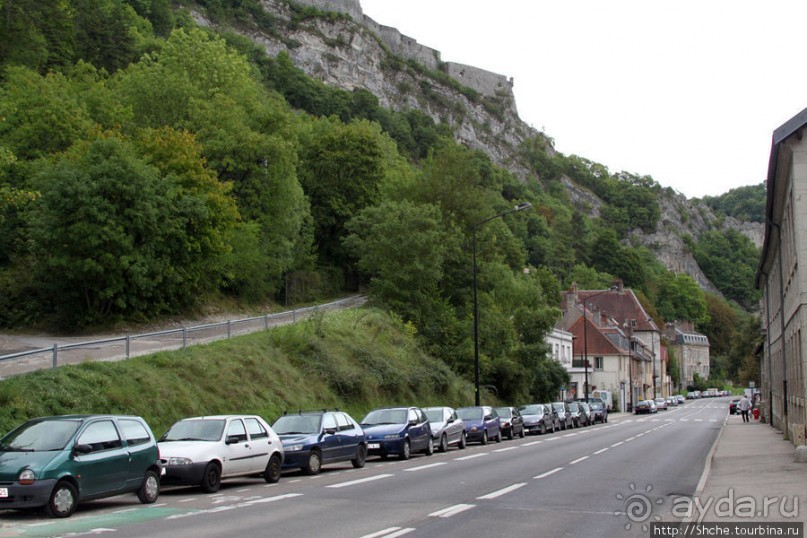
653, 348
519, 207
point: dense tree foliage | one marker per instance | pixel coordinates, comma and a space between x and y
729, 259
743, 203
146, 165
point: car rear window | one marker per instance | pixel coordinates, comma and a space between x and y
134, 431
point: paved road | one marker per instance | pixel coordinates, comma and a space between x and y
580, 482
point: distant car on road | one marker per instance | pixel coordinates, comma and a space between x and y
579, 418
661, 404
312, 439
511, 422
201, 451
481, 424
564, 415
598, 411
538, 418
397, 430
447, 428
645, 407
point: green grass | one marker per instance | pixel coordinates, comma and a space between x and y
353, 360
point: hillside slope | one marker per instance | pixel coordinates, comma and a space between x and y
353, 51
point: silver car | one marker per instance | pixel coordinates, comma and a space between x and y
447, 428
538, 418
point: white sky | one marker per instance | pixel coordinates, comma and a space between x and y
688, 92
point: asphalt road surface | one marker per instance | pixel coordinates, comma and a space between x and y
606, 480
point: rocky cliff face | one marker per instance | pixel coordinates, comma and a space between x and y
355, 51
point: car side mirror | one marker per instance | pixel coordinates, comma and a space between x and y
330, 431
231, 440
80, 448
450, 420
488, 417
413, 422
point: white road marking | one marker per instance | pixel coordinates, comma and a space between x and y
359, 481
429, 466
617, 444
452, 510
471, 456
391, 532
533, 443
601, 451
578, 460
502, 491
544, 475
505, 449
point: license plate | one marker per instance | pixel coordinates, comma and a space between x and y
372, 446
3, 493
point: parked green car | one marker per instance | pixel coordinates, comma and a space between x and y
57, 462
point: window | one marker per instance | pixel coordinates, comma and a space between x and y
236, 429
134, 431
599, 363
328, 421
256, 429
101, 435
343, 422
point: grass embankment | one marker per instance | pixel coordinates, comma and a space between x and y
354, 360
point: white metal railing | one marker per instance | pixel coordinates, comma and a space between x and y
124, 347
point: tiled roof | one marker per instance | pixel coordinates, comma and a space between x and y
622, 305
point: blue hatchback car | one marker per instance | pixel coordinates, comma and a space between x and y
481, 424
397, 430
312, 439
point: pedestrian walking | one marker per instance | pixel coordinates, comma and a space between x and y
744, 405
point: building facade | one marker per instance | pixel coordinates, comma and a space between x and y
782, 370
692, 350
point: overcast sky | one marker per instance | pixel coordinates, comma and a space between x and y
688, 92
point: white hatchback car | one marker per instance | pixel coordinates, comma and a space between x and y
203, 450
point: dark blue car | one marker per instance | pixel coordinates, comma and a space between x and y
312, 439
397, 430
481, 424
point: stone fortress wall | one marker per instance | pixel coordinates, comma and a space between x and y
485, 82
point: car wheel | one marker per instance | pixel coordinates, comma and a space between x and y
429, 450
443, 446
499, 437
361, 457
406, 451
63, 500
485, 437
211, 479
523, 433
150, 488
463, 441
509, 434
314, 464
273, 468
543, 428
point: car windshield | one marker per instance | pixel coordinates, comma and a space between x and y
574, 408
470, 413
531, 409
291, 424
434, 414
385, 416
559, 407
504, 412
195, 430
595, 405
40, 436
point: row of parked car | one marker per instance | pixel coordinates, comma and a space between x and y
653, 406
58, 462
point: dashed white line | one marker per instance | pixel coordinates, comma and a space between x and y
533, 443
578, 460
360, 481
601, 451
452, 510
391, 532
617, 444
505, 449
472, 456
544, 475
502, 491
429, 466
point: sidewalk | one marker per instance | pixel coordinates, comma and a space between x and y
752, 477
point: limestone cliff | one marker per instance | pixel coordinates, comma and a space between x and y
353, 51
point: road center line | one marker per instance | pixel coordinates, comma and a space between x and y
601, 451
429, 466
533, 443
471, 456
391, 532
505, 449
617, 444
359, 481
578, 460
544, 475
452, 510
502, 491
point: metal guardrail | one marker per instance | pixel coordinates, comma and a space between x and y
124, 347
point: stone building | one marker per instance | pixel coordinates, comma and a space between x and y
783, 386
692, 350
